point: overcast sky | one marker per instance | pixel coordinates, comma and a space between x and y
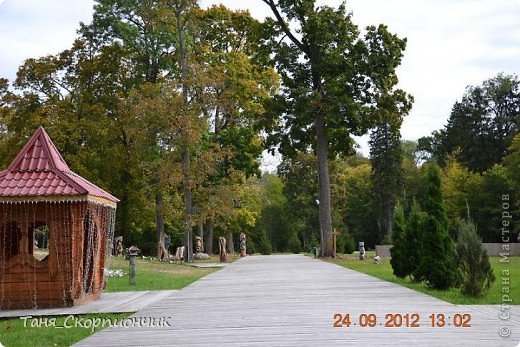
451, 43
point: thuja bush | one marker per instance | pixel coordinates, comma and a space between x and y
345, 243
475, 272
294, 244
437, 265
398, 251
264, 244
406, 241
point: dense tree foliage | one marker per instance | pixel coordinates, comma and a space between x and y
481, 125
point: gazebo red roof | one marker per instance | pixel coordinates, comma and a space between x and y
39, 173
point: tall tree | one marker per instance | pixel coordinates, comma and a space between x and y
181, 9
481, 125
487, 214
512, 163
237, 83
143, 31
76, 95
333, 81
387, 174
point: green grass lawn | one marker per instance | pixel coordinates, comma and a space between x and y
215, 258
151, 275
17, 332
453, 295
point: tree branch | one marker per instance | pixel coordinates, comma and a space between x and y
284, 25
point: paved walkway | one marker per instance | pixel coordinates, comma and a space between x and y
290, 300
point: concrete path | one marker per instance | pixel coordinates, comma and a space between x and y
291, 300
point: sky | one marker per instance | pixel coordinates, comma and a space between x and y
451, 43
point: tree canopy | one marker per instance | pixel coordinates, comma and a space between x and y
335, 83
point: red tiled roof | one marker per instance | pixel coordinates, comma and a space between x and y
40, 171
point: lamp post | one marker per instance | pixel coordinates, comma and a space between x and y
132, 253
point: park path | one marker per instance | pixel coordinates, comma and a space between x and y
290, 300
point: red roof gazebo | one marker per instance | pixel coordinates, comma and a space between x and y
55, 230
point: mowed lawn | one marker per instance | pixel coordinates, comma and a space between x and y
151, 275
453, 295
52, 331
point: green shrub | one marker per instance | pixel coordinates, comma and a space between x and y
264, 244
476, 274
399, 260
350, 244
345, 243
294, 244
387, 240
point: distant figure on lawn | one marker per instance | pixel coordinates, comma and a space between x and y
120, 250
222, 245
361, 251
179, 253
198, 249
243, 245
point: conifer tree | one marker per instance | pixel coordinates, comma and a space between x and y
437, 257
412, 239
398, 251
475, 271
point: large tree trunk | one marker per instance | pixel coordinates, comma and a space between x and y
324, 187
159, 224
187, 204
209, 236
388, 220
186, 180
126, 178
230, 245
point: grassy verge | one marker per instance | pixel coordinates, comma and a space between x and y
453, 295
153, 275
215, 258
18, 332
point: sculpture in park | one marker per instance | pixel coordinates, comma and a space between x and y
222, 246
361, 251
243, 248
198, 244
198, 249
179, 253
163, 245
119, 246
